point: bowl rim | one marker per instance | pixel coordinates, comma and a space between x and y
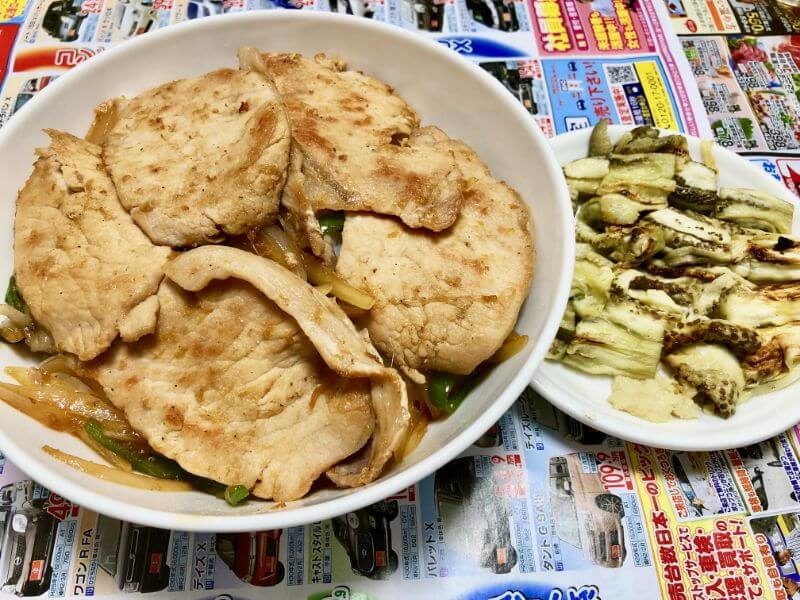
47, 474
621, 427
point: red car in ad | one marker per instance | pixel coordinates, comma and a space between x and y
253, 557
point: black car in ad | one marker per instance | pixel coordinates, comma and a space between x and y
366, 536
134, 555
497, 14
29, 534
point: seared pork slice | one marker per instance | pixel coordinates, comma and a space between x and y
345, 350
81, 262
196, 159
444, 302
232, 389
352, 132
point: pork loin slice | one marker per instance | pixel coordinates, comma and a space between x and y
197, 159
82, 264
352, 133
446, 301
346, 351
231, 388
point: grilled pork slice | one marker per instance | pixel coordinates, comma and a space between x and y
82, 264
239, 376
352, 133
444, 301
196, 159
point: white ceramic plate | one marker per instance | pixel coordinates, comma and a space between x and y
584, 397
446, 90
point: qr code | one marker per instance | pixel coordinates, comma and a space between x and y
620, 74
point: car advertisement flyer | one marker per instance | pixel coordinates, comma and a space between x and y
541, 507
783, 169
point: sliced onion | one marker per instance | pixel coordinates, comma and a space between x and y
320, 274
10, 333
273, 243
40, 340
16, 318
514, 343
105, 117
116, 475
61, 401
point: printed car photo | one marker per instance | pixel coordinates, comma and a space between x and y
367, 538
695, 483
197, 9
521, 87
134, 555
492, 438
425, 15
359, 8
495, 14
134, 17
474, 518
585, 514
29, 534
253, 556
770, 481
63, 19
29, 88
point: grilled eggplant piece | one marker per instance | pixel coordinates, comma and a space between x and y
766, 306
714, 371
696, 189
591, 281
599, 142
755, 209
627, 245
566, 331
643, 140
713, 291
774, 364
682, 291
693, 238
585, 174
740, 340
591, 167
650, 294
622, 340
645, 178
770, 259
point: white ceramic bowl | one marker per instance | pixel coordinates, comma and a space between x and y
445, 89
585, 397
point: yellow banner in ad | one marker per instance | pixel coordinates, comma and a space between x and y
11, 8
699, 553
655, 91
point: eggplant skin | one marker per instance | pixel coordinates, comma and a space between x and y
738, 339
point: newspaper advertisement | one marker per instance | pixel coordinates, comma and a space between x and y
569, 62
541, 507
749, 87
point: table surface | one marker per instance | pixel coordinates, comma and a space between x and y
638, 522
